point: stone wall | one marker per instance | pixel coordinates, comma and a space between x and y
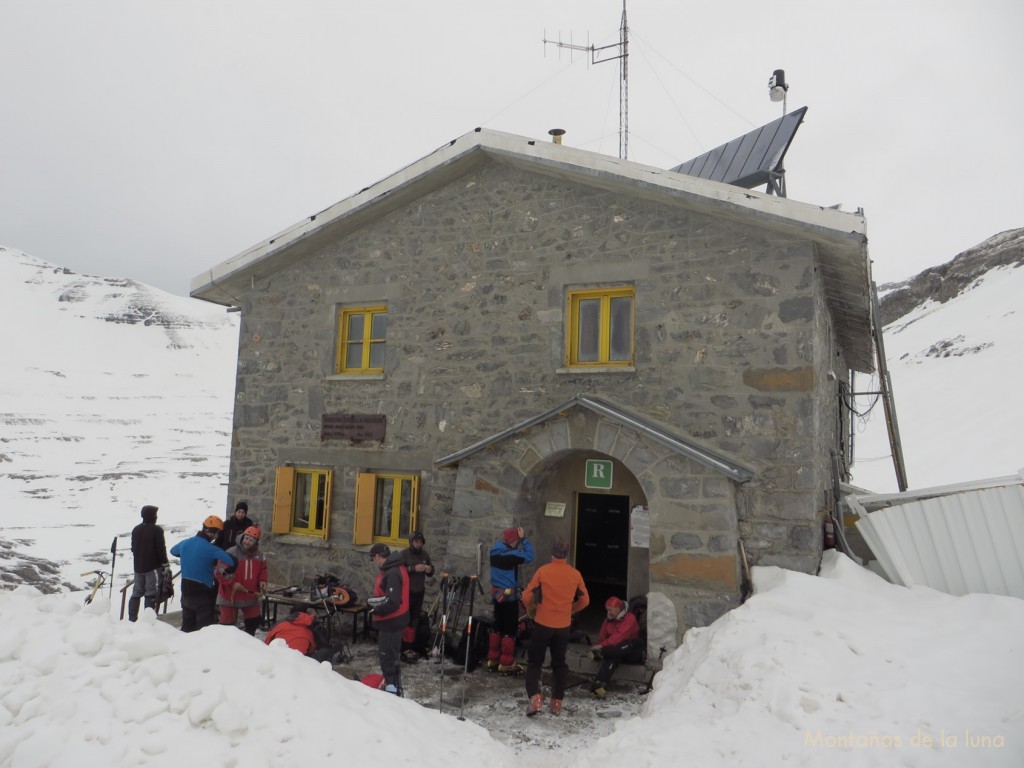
731, 339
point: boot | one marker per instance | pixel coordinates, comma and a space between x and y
493, 651
556, 706
133, 608
536, 705
507, 662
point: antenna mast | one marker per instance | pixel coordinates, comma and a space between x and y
602, 54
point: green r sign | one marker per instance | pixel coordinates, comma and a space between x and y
599, 474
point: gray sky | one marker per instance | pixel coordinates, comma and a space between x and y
153, 140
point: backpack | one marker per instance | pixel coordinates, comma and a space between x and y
478, 644
165, 591
638, 607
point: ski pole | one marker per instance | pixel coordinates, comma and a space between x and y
440, 660
468, 637
113, 559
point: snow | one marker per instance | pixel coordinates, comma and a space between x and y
955, 370
841, 668
101, 417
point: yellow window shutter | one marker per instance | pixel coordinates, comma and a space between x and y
284, 499
414, 506
327, 505
366, 491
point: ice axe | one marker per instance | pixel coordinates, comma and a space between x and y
650, 683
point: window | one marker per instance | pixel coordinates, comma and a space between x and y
302, 501
601, 327
387, 507
361, 334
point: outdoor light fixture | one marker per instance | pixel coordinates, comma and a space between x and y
777, 85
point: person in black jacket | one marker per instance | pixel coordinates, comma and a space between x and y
234, 526
149, 552
390, 606
417, 562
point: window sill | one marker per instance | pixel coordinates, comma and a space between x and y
355, 377
299, 539
597, 369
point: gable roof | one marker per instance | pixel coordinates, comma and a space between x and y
840, 237
681, 445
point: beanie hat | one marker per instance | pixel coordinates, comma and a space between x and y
560, 549
614, 604
242, 505
149, 513
380, 549
510, 536
417, 535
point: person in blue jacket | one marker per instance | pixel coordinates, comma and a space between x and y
508, 553
199, 558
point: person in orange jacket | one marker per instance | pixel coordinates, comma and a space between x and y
297, 633
555, 592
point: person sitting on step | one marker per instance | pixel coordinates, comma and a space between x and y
618, 642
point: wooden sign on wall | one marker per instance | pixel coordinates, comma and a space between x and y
353, 426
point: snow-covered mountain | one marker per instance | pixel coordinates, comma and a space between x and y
113, 395
953, 344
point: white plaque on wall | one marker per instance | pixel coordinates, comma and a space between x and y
640, 527
554, 509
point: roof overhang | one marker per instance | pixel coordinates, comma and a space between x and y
840, 237
718, 462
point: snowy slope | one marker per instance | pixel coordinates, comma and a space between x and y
114, 395
956, 369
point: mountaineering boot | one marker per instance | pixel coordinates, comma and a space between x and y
556, 706
598, 691
536, 705
507, 661
493, 651
133, 608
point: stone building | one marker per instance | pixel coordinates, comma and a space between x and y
511, 332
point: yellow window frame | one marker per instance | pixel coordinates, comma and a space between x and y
366, 339
604, 341
372, 513
291, 488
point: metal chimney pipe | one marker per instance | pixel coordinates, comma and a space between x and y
556, 135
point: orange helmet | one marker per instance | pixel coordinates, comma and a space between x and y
213, 522
253, 531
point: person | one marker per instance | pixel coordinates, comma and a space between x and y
390, 606
508, 553
240, 589
297, 632
149, 552
618, 641
234, 526
417, 562
199, 556
555, 593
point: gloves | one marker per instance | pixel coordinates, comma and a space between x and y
375, 602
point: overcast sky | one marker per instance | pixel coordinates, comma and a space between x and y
153, 140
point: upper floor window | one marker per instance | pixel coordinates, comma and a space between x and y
601, 327
387, 507
302, 501
361, 335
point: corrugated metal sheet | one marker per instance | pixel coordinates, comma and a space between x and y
957, 539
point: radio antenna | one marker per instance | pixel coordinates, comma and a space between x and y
615, 52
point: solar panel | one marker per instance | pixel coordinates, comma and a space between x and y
752, 159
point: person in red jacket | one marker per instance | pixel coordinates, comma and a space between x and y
297, 633
617, 642
556, 592
390, 606
240, 589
